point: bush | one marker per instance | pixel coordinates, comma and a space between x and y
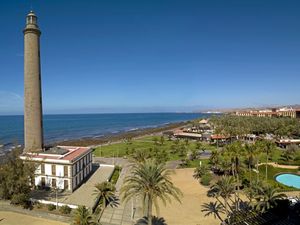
20, 199
51, 207
206, 179
65, 209
38, 205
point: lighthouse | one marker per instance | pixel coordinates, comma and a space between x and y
33, 115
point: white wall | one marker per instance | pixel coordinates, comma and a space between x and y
59, 170
37, 180
48, 170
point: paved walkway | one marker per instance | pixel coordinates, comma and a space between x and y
84, 194
125, 213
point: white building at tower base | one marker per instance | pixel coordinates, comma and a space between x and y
61, 167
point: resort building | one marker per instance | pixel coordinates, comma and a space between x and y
282, 112
283, 143
61, 167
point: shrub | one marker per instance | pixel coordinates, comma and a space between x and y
65, 209
38, 205
200, 171
51, 207
20, 199
206, 179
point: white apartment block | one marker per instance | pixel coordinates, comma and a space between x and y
61, 167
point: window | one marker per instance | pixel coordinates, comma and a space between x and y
42, 168
53, 183
43, 183
66, 184
53, 168
65, 171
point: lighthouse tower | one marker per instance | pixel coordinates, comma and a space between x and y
33, 117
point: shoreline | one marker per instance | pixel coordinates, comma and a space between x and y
112, 138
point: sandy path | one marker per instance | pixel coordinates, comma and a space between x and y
280, 166
12, 218
189, 212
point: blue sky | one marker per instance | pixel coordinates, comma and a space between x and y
158, 55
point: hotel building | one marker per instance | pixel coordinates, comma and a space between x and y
61, 167
282, 112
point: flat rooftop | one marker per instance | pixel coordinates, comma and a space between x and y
58, 153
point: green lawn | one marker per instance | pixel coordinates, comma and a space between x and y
122, 149
272, 172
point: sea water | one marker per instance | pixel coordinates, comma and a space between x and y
75, 126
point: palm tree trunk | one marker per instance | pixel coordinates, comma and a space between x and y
101, 213
149, 211
257, 172
249, 166
226, 209
238, 191
267, 166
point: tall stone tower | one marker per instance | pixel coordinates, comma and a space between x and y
33, 120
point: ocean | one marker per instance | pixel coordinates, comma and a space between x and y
75, 126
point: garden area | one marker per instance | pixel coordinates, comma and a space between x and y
159, 147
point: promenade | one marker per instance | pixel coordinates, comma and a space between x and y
125, 213
83, 195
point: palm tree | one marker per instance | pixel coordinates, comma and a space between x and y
213, 208
267, 147
82, 216
155, 140
105, 192
162, 140
140, 155
235, 151
150, 182
268, 199
215, 159
200, 171
225, 187
155, 221
253, 190
251, 153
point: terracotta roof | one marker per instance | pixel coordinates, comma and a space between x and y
76, 153
185, 134
218, 136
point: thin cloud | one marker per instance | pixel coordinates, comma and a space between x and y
10, 102
20, 55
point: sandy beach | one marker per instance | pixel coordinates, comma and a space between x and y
189, 212
12, 218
